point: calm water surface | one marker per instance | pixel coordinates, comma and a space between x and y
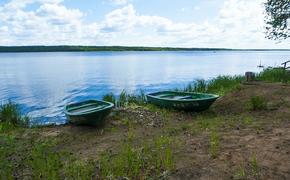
42, 83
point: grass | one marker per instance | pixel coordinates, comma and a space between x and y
257, 103
78, 169
6, 166
110, 98
214, 143
241, 173
138, 162
10, 117
254, 165
274, 75
44, 162
249, 171
124, 99
219, 85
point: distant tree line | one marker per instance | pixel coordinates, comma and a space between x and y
109, 48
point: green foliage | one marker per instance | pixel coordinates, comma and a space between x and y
10, 117
274, 75
124, 99
254, 165
219, 85
224, 84
109, 97
6, 150
277, 15
150, 160
257, 103
45, 163
209, 123
79, 170
214, 143
241, 173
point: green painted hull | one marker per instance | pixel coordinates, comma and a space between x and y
185, 101
91, 112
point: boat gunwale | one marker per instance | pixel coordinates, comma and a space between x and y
110, 106
151, 95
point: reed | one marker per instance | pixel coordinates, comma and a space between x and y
219, 85
124, 98
274, 75
10, 117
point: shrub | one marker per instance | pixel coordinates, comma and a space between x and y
10, 115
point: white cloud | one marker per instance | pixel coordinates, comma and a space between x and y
119, 2
239, 24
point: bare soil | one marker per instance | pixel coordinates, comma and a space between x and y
258, 148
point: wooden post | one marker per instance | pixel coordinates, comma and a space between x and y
250, 76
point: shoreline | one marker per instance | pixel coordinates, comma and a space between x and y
230, 140
64, 48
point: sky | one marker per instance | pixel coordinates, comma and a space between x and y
161, 23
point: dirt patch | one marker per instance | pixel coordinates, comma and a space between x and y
248, 144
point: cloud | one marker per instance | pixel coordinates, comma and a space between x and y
119, 2
239, 24
51, 23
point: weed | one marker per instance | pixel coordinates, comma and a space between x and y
110, 98
126, 122
254, 165
274, 75
6, 150
10, 117
209, 123
124, 99
173, 131
214, 143
138, 162
241, 173
78, 169
257, 103
44, 162
219, 85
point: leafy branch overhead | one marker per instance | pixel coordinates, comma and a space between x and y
277, 19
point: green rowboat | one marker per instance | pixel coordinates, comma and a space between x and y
186, 101
91, 112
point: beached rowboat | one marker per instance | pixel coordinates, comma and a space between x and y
186, 101
91, 112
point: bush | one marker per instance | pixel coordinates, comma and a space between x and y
10, 115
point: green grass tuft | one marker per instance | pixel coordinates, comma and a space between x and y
149, 160
257, 103
274, 75
214, 143
124, 99
10, 117
219, 85
109, 97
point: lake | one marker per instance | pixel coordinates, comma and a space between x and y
42, 83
